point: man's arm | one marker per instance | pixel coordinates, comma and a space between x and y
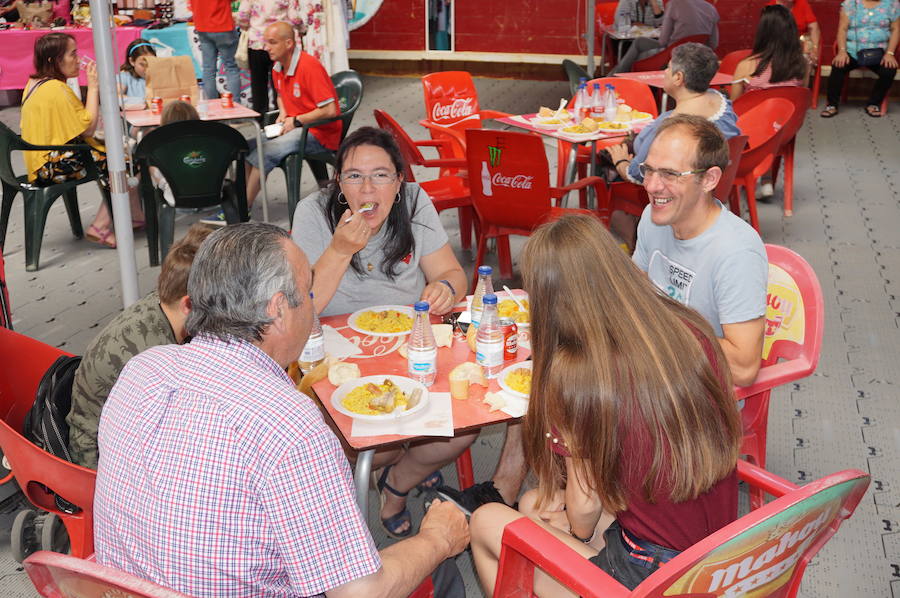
742, 346
329, 110
444, 533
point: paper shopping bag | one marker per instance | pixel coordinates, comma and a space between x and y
170, 78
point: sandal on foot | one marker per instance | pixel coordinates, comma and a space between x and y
829, 111
102, 237
432, 482
873, 110
393, 523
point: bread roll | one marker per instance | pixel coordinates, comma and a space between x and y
462, 376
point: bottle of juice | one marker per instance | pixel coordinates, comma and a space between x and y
489, 339
483, 287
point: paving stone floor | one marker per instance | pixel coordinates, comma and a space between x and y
846, 222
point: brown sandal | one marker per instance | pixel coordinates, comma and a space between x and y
107, 238
829, 111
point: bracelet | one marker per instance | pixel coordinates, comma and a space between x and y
449, 286
890, 52
616, 165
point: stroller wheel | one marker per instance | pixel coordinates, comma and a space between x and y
53, 534
23, 537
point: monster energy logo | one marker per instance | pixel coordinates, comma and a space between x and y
494, 155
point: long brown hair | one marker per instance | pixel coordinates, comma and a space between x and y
777, 44
610, 354
48, 51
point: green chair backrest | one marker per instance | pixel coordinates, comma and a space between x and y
9, 142
349, 87
194, 156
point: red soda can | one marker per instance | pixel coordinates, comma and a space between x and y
156, 105
185, 98
510, 338
227, 99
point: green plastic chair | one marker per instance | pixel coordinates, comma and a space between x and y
348, 85
194, 156
574, 72
39, 199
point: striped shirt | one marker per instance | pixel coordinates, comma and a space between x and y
218, 478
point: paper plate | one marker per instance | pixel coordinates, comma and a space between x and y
407, 385
542, 123
501, 379
351, 321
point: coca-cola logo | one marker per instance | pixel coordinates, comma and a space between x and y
459, 108
516, 181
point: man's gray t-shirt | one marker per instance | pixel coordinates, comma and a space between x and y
312, 234
722, 272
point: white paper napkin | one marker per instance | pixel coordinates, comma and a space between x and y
436, 419
515, 406
337, 345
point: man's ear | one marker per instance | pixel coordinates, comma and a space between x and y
711, 178
275, 309
184, 304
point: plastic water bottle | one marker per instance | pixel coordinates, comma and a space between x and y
597, 103
623, 19
484, 286
612, 105
314, 351
578, 104
489, 339
422, 351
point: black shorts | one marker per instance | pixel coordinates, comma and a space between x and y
616, 559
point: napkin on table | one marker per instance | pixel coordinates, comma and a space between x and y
337, 345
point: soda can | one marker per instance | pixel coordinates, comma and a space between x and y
185, 98
156, 105
227, 99
510, 338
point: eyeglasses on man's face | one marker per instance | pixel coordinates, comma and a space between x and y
666, 175
377, 178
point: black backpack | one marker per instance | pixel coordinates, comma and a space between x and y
45, 424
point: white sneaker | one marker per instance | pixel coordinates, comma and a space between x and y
766, 190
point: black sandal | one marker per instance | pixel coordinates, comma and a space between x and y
829, 111
873, 110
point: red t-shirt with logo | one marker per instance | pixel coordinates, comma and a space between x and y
303, 88
212, 16
802, 13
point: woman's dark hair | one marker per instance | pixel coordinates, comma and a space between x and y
399, 240
777, 44
48, 51
137, 48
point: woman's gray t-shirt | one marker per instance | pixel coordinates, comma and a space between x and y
312, 234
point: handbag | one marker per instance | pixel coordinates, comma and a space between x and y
869, 56
241, 54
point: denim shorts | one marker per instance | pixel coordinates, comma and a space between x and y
623, 563
277, 148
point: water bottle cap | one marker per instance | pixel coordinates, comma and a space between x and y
485, 270
596, 86
489, 299
582, 79
421, 306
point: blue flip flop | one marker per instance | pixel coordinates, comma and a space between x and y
394, 522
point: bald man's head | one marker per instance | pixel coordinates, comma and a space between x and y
279, 42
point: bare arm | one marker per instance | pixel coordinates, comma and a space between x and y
329, 110
815, 38
583, 507
444, 534
348, 238
443, 265
842, 58
890, 60
92, 105
742, 346
742, 72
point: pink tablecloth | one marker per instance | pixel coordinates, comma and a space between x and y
16, 56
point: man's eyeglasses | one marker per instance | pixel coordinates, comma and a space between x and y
377, 178
666, 174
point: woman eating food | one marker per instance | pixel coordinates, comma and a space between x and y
632, 428
374, 238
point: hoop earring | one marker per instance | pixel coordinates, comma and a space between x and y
397, 200
341, 199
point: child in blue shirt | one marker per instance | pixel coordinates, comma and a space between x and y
132, 84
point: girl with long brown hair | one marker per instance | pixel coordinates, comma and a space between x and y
632, 429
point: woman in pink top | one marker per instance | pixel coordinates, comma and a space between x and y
777, 59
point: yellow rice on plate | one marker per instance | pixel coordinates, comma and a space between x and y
357, 400
389, 320
508, 309
519, 380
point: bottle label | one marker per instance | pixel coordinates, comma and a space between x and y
314, 349
422, 361
489, 354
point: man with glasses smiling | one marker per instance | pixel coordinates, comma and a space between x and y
694, 249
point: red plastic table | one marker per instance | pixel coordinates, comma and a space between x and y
380, 357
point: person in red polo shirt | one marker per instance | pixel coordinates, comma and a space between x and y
305, 94
218, 39
807, 25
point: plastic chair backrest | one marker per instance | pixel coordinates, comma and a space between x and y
409, 151
764, 121
9, 142
657, 62
450, 98
349, 87
800, 97
605, 13
62, 576
509, 178
730, 61
636, 94
23, 361
736, 146
574, 73
765, 551
194, 156
795, 310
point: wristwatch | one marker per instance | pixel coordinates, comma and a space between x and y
297, 123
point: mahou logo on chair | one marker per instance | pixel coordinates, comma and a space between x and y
458, 109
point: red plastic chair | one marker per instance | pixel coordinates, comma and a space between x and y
736, 147
446, 192
800, 97
763, 124
59, 576
795, 323
23, 361
510, 185
451, 107
817, 79
765, 551
658, 61
729, 64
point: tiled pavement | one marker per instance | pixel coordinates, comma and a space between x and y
847, 415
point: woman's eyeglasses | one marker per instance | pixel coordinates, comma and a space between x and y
377, 178
666, 174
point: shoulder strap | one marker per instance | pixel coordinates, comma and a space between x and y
33, 87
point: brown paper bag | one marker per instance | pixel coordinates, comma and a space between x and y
170, 78
35, 15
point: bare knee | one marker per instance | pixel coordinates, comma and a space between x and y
527, 504
487, 523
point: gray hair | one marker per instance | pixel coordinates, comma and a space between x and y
698, 63
236, 272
